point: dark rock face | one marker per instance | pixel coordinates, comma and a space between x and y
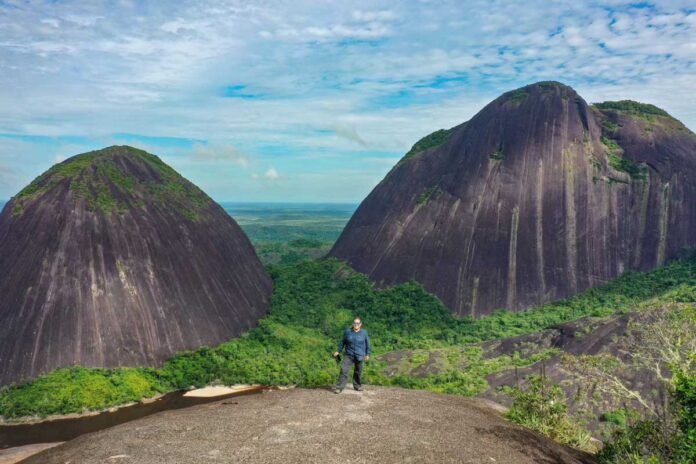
111, 259
538, 197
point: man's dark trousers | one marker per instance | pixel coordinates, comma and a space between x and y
357, 372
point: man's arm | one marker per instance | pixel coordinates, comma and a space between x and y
368, 348
342, 343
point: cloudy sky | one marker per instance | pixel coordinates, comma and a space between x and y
308, 100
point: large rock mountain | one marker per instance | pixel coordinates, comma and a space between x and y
111, 258
537, 197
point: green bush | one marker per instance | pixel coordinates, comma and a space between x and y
619, 417
78, 389
667, 440
427, 195
632, 107
636, 171
516, 97
610, 125
684, 401
542, 406
429, 141
497, 155
312, 303
611, 144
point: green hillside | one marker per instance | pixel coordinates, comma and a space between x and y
312, 303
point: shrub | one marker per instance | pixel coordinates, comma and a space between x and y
497, 155
665, 440
427, 195
611, 144
312, 303
516, 96
542, 406
429, 141
632, 107
636, 171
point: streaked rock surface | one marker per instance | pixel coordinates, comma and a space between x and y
538, 197
111, 258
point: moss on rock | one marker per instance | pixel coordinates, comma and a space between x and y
114, 179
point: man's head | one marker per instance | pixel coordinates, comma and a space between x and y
357, 323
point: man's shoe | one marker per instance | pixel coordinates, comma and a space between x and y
358, 389
337, 390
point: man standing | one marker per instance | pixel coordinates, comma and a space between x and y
357, 345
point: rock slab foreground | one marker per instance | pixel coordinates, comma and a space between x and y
385, 425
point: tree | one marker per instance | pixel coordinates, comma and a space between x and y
659, 342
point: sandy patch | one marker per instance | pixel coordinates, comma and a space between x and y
213, 391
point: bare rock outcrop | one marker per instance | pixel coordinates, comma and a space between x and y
111, 258
538, 197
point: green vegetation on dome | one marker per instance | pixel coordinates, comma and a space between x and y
611, 145
550, 85
618, 162
564, 90
497, 155
516, 97
636, 171
101, 179
427, 195
429, 141
609, 125
643, 110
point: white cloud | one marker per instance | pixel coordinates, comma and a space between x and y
349, 133
271, 174
378, 74
220, 152
383, 15
51, 22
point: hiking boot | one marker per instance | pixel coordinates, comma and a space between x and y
358, 388
337, 390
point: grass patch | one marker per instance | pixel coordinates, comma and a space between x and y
609, 125
611, 144
435, 139
497, 155
636, 171
102, 181
643, 110
516, 97
425, 197
618, 162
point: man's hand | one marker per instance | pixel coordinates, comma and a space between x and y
367, 358
335, 354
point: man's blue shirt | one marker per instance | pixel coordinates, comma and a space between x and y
357, 344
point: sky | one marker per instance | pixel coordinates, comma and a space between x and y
308, 101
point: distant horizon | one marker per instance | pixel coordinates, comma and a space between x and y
278, 203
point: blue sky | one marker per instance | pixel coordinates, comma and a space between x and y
308, 100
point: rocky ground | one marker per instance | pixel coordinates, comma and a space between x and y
314, 425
